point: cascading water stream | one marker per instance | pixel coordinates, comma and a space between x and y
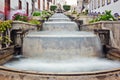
60, 47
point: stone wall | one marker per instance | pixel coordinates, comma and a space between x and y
17, 25
20, 30
8, 74
85, 19
113, 26
6, 54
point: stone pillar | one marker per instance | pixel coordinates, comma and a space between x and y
33, 5
7, 8
39, 4
47, 5
43, 4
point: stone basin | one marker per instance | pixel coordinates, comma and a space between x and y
59, 15
9, 73
13, 74
59, 19
60, 26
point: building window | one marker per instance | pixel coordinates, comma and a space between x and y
38, 4
115, 0
98, 3
20, 4
103, 2
108, 1
27, 8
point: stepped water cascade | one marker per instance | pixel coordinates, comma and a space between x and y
61, 48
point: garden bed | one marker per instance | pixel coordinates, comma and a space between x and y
19, 25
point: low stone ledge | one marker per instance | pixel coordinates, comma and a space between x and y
112, 26
6, 54
19, 25
114, 54
10, 74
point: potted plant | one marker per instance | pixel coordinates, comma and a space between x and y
53, 7
66, 7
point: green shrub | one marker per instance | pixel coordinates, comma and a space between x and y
45, 13
86, 12
53, 7
20, 17
33, 21
105, 17
66, 7
74, 12
4, 25
36, 13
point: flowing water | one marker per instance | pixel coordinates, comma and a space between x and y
76, 65
61, 45
61, 48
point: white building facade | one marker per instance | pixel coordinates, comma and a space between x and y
99, 6
7, 7
79, 6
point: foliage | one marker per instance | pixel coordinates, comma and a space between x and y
53, 7
86, 12
105, 17
33, 21
4, 25
74, 12
66, 7
20, 17
6, 39
46, 13
36, 13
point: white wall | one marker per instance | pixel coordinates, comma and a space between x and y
36, 4
41, 4
14, 4
2, 5
114, 7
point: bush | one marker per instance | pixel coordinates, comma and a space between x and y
105, 17
4, 25
86, 12
20, 17
53, 7
74, 12
66, 7
33, 21
36, 13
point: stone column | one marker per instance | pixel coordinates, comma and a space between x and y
7, 8
47, 5
39, 4
43, 4
33, 5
